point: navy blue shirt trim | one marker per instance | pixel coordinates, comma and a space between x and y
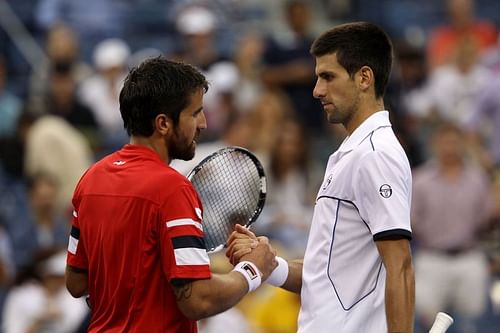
75, 232
392, 235
181, 242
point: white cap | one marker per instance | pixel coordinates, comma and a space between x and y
223, 76
55, 265
112, 52
196, 20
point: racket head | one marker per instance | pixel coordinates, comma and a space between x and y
231, 184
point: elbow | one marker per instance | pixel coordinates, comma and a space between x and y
76, 291
76, 283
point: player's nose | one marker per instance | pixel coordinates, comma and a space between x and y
201, 121
319, 90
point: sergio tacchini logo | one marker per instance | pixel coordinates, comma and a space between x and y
385, 190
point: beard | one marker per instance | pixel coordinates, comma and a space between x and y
343, 114
181, 147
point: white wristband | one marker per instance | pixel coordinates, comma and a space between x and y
280, 274
251, 274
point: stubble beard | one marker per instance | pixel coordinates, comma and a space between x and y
342, 115
181, 148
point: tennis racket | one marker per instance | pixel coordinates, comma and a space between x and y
232, 187
441, 323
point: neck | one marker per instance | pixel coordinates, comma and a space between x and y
155, 144
363, 112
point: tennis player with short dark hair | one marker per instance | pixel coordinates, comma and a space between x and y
136, 245
357, 274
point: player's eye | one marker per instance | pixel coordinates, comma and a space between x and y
327, 76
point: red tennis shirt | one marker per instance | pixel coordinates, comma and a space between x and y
136, 227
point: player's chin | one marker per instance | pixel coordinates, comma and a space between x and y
335, 117
185, 154
189, 153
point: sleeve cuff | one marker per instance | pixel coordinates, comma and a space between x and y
392, 234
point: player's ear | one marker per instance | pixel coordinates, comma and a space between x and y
163, 124
366, 78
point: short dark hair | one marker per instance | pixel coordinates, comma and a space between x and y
154, 87
356, 45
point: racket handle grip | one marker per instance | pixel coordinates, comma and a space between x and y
441, 323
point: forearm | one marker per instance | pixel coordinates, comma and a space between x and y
293, 282
204, 298
400, 300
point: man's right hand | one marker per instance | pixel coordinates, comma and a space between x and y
244, 245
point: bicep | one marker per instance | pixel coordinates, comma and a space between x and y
395, 253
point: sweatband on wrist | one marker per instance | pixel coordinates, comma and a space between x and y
280, 274
251, 273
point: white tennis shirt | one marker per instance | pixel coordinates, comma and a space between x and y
365, 196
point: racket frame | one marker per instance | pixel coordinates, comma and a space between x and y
262, 176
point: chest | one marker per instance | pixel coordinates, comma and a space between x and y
340, 177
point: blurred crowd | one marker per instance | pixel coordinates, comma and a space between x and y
62, 64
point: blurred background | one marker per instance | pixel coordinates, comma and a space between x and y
62, 64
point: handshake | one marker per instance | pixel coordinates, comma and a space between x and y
245, 249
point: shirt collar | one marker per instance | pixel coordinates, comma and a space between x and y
144, 151
375, 121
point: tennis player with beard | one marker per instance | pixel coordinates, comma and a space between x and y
357, 274
136, 246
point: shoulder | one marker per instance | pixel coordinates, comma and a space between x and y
168, 183
382, 145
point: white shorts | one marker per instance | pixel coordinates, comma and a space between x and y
456, 282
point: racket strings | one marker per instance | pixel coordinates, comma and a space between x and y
229, 188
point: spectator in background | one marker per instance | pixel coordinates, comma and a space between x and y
55, 147
40, 303
197, 28
7, 267
12, 147
10, 105
42, 226
289, 205
266, 116
100, 92
406, 97
483, 125
462, 25
63, 55
451, 204
453, 87
50, 225
92, 20
14, 207
248, 59
61, 100
491, 57
288, 65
